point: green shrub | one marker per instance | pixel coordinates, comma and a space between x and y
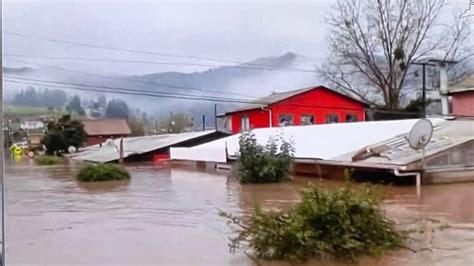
342, 224
49, 160
102, 172
263, 164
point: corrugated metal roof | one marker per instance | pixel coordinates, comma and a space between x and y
466, 84
134, 145
270, 99
106, 127
396, 150
277, 97
325, 141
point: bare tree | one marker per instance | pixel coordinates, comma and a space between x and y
373, 43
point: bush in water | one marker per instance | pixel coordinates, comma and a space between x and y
343, 224
102, 172
48, 160
263, 164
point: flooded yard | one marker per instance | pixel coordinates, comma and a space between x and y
168, 216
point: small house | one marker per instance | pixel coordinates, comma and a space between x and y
32, 125
100, 130
153, 148
35, 139
463, 97
309, 106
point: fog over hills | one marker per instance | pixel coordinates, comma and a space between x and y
243, 82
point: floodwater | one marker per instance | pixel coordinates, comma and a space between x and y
169, 216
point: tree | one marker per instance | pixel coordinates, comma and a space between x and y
40, 98
75, 106
373, 43
137, 126
176, 123
102, 102
117, 109
62, 134
263, 164
53, 98
28, 97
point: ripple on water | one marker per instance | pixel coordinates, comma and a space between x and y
170, 216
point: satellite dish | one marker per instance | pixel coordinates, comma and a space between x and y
420, 134
71, 149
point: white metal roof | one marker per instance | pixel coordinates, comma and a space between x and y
446, 135
325, 141
134, 145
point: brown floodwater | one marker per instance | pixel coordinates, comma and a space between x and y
169, 215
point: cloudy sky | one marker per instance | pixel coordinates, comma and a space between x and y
235, 31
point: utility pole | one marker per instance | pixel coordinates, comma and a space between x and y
443, 83
203, 123
121, 151
423, 92
215, 116
2, 153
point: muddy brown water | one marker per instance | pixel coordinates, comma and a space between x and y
169, 216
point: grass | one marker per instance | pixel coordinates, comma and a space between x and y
30, 110
16, 111
102, 172
49, 160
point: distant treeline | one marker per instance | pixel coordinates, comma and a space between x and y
40, 98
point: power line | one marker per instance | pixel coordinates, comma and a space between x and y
128, 91
131, 79
266, 68
96, 46
108, 89
84, 87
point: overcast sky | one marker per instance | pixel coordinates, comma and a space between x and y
239, 30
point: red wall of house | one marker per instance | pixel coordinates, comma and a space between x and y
463, 103
94, 140
258, 118
319, 102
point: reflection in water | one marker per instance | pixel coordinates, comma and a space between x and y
169, 216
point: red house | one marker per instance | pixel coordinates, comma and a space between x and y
315, 105
463, 97
100, 130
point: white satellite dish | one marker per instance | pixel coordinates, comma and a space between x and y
420, 134
71, 149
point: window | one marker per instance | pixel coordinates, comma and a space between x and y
307, 120
224, 124
228, 124
244, 123
285, 120
332, 118
351, 118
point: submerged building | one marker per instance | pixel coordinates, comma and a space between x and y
370, 147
